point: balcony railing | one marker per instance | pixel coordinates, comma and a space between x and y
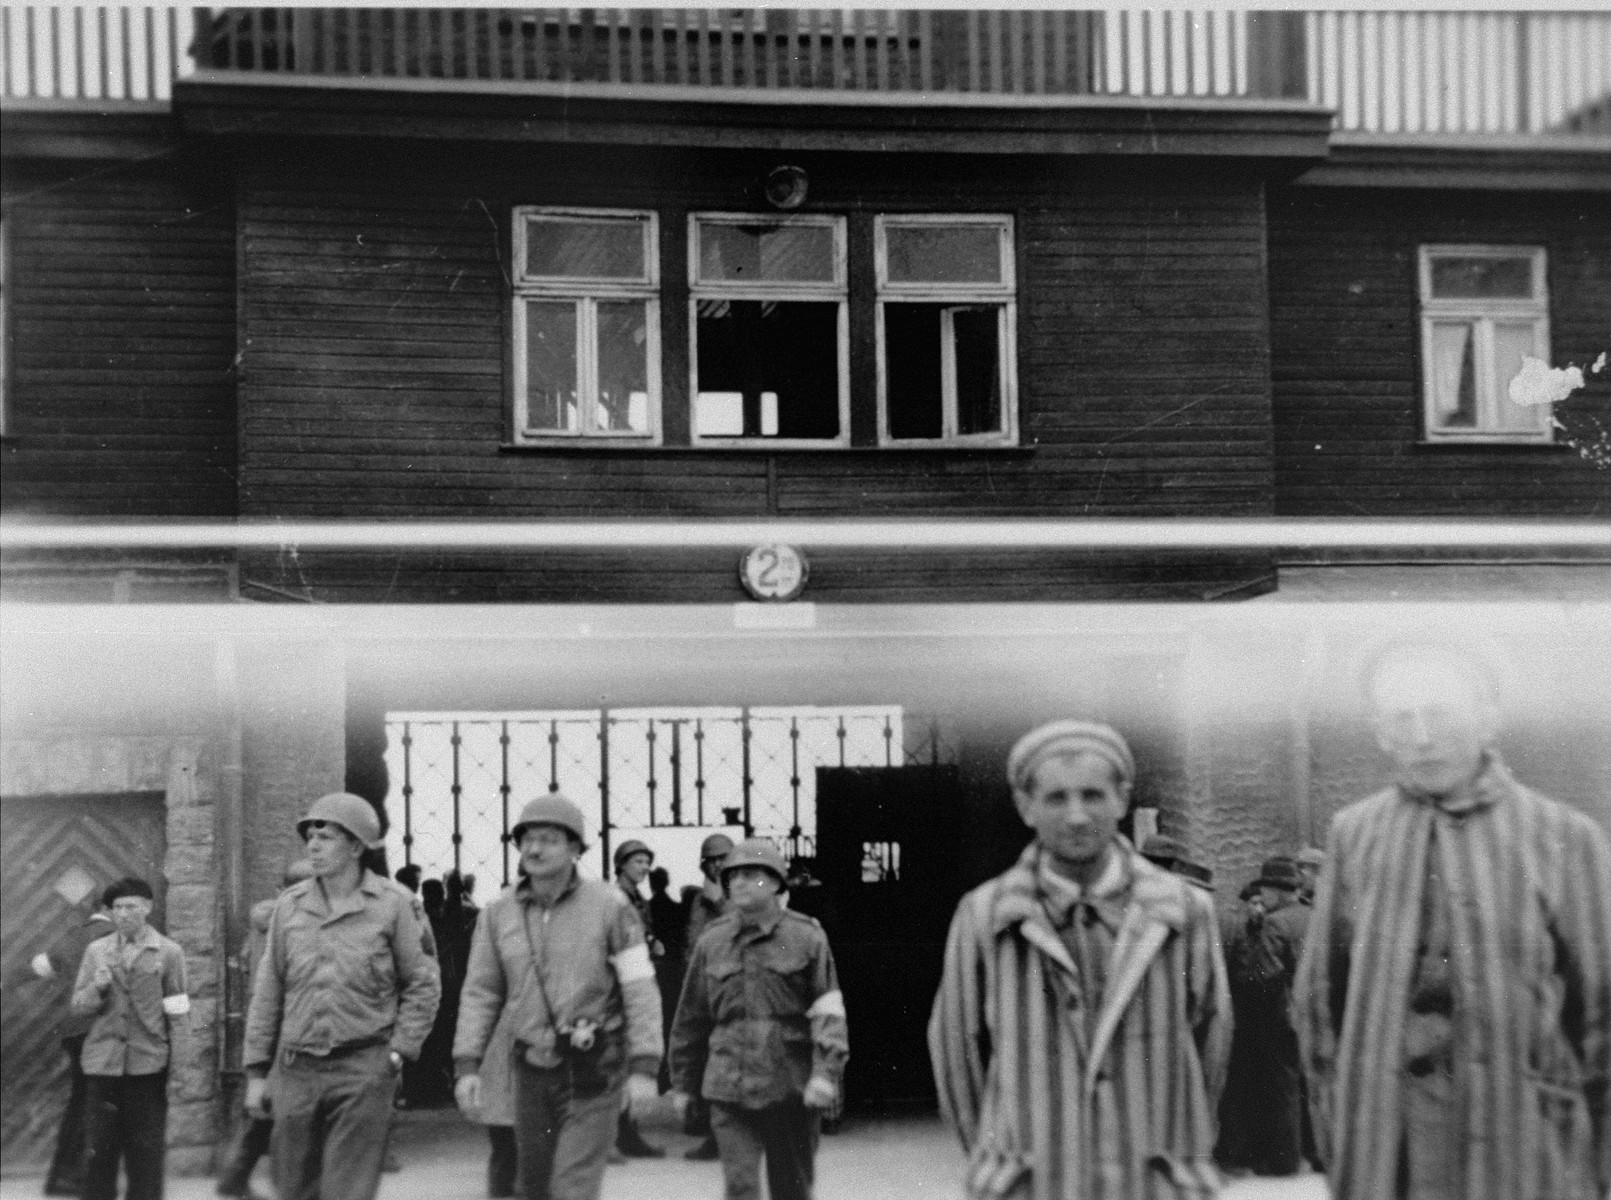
1396, 73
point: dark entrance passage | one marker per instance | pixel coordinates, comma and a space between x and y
886, 855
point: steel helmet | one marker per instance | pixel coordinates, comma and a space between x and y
717, 845
756, 852
353, 813
628, 848
552, 809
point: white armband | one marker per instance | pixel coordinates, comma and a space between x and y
177, 1005
829, 1004
633, 964
41, 966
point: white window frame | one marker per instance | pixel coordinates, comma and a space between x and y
1482, 315
958, 295
837, 290
586, 293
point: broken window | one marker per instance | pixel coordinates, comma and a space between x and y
1483, 309
770, 357
587, 325
946, 320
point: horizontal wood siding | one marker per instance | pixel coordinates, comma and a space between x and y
375, 296
705, 575
120, 311
1346, 342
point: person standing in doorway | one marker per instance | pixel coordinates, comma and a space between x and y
344, 995
1080, 1030
1261, 1125
1454, 998
564, 961
760, 1031
133, 986
59, 968
633, 862
701, 906
254, 1139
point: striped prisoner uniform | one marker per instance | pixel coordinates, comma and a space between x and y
1525, 888
1057, 1098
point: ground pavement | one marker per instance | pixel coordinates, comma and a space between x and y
907, 1157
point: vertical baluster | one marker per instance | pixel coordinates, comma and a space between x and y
399, 18
56, 88
617, 23
745, 19
975, 52
1043, 27
859, 21
881, 22
707, 73
994, 21
1014, 22
721, 49
926, 50
779, 46
655, 68
539, 43
676, 772
814, 36
836, 62
1190, 21
683, 52
889, 742
840, 734
125, 56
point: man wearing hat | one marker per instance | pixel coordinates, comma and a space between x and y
1310, 861
701, 906
1261, 1119
345, 993
563, 960
760, 1030
1172, 855
1079, 1033
633, 862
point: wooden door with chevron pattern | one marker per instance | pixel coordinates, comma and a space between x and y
54, 852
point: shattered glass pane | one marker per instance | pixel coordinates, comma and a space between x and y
766, 253
944, 253
586, 247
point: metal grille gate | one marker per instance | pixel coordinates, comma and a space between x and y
459, 779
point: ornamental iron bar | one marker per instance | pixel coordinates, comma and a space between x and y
464, 776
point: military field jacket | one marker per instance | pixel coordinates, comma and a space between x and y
594, 964
760, 1013
357, 971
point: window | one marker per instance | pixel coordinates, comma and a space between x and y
1483, 309
946, 321
770, 358
586, 325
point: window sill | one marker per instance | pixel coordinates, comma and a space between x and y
1491, 445
929, 450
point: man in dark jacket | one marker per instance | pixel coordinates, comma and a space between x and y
1261, 1114
60, 967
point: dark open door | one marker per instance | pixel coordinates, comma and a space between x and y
886, 855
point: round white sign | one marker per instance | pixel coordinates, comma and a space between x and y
773, 571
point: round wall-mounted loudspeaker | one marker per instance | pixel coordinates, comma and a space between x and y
786, 187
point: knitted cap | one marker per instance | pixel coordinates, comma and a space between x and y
1068, 737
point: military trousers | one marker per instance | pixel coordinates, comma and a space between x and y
332, 1116
125, 1118
785, 1134
562, 1140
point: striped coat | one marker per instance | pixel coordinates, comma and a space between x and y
1529, 888
1049, 1110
